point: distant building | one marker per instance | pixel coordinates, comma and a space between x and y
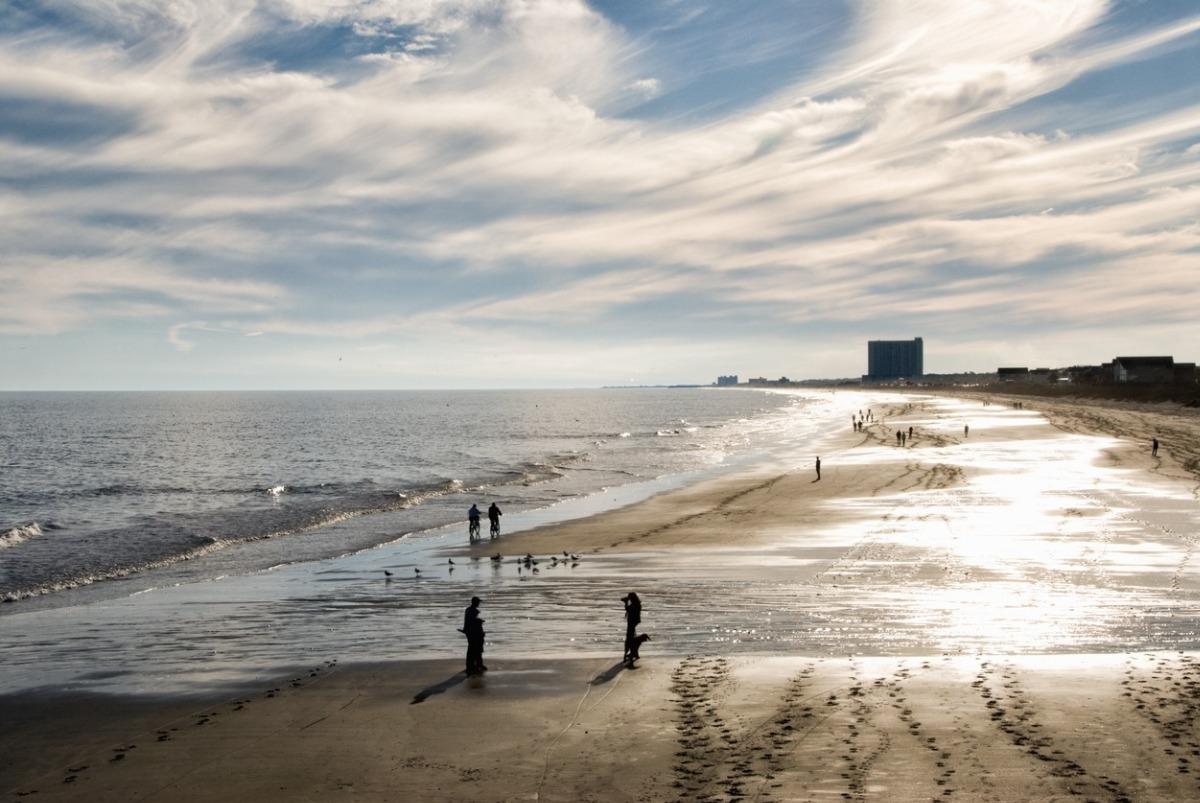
1042, 376
1185, 373
895, 359
1012, 374
727, 380
1143, 370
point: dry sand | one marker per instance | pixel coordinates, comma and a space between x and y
1109, 727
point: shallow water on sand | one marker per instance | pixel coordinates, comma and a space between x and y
1038, 550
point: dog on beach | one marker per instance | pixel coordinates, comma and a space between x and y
631, 653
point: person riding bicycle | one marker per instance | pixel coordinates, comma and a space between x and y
473, 522
494, 515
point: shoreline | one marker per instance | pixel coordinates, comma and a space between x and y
172, 571
920, 624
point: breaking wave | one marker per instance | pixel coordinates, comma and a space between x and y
21, 533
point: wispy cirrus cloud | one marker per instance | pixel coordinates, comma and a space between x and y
557, 170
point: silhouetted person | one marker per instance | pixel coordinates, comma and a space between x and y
899, 437
818, 468
633, 618
1154, 447
910, 432
473, 522
494, 515
966, 430
473, 629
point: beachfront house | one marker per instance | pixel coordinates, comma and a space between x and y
1012, 374
1143, 370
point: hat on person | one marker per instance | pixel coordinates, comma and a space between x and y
475, 600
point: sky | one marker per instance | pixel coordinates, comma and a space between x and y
542, 193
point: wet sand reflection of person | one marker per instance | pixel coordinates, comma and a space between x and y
633, 618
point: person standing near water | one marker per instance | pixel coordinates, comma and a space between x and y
1154, 447
473, 629
494, 515
818, 467
633, 618
966, 430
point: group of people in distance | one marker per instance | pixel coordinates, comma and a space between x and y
473, 629
473, 514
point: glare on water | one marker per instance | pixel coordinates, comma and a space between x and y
1016, 543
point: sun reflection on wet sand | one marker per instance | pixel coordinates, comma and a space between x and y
1017, 540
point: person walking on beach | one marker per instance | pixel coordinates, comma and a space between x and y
966, 430
910, 430
494, 515
473, 629
818, 467
899, 437
1154, 447
633, 618
473, 523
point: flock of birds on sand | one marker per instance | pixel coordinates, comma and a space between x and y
528, 564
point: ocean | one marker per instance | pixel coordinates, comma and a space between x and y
106, 494
180, 543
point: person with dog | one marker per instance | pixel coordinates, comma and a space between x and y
473, 629
633, 618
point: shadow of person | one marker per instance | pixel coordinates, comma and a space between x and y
608, 674
438, 688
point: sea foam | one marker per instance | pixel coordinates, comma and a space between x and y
18, 534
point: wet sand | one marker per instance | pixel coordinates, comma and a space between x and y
993, 728
1001, 585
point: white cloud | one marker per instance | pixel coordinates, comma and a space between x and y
490, 137
647, 87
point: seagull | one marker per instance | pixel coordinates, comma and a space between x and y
450, 561
417, 571
387, 573
496, 558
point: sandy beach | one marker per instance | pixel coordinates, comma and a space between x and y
1004, 615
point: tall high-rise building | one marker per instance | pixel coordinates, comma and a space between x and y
895, 359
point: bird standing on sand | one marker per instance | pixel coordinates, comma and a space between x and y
386, 573
416, 571
450, 561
